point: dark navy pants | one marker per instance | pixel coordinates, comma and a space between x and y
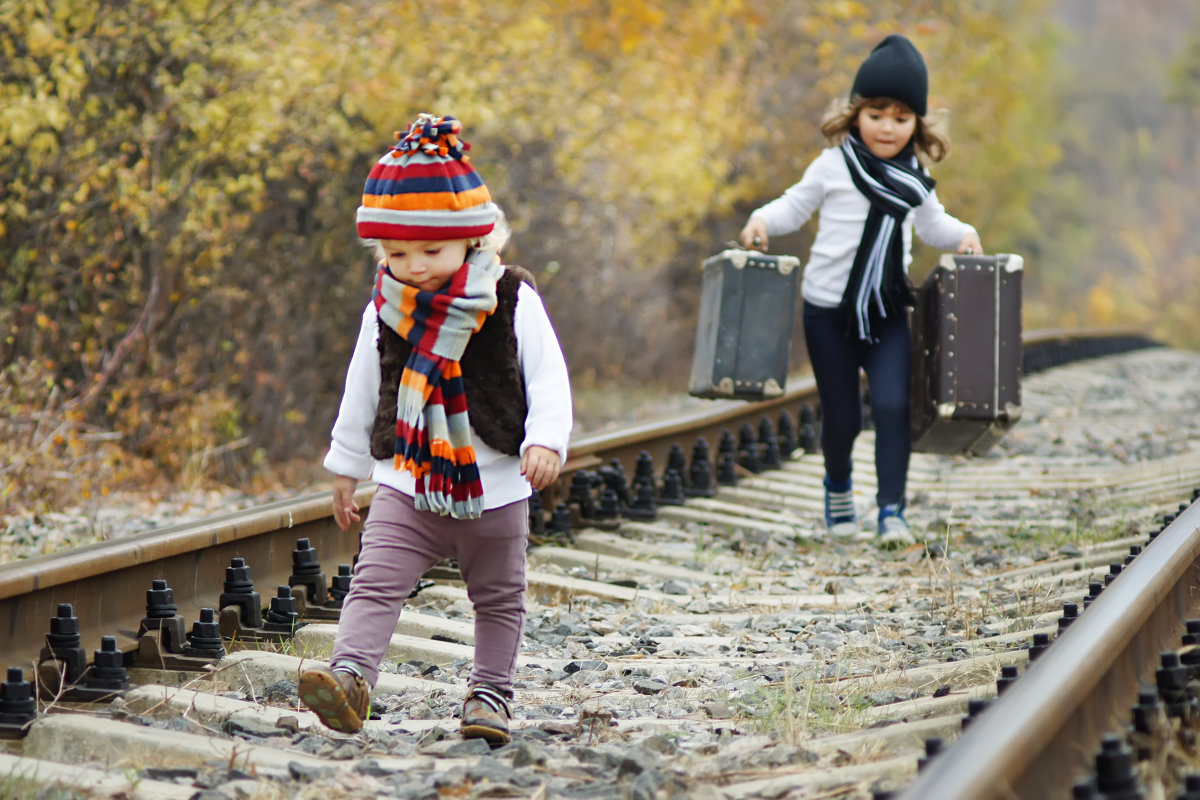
836, 360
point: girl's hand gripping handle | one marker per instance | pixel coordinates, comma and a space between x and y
754, 235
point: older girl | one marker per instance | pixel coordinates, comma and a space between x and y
872, 190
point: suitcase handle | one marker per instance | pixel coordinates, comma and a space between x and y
756, 244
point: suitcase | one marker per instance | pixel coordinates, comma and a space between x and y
966, 374
744, 329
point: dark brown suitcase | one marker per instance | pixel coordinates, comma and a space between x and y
966, 375
744, 329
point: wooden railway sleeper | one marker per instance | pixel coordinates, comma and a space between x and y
1163, 721
298, 594
1175, 680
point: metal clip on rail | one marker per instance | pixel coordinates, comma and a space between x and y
163, 639
242, 617
309, 588
18, 706
63, 673
316, 599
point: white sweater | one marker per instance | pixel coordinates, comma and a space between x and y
547, 390
827, 185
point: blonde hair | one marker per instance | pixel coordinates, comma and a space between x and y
930, 140
500, 234
495, 240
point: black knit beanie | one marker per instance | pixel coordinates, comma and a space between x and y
894, 69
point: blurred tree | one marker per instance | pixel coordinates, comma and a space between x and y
178, 179
152, 154
1126, 81
1184, 93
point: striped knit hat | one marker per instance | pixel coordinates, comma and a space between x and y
424, 187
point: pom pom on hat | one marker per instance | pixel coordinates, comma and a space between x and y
894, 69
424, 187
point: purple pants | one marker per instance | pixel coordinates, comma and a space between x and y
399, 544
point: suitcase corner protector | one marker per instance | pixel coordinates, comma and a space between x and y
772, 388
1012, 411
1014, 263
946, 410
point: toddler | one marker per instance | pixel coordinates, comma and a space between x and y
457, 403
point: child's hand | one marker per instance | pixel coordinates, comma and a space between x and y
540, 466
345, 510
755, 229
970, 245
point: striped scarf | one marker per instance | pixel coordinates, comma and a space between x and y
433, 432
878, 284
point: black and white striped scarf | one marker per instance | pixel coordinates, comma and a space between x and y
878, 285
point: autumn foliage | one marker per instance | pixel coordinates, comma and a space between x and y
179, 277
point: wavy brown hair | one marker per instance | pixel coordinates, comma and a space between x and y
930, 140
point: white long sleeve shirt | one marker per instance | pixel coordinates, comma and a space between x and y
547, 390
826, 185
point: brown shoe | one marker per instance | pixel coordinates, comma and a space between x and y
485, 715
339, 697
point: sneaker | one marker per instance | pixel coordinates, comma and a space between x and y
840, 516
893, 530
485, 715
338, 696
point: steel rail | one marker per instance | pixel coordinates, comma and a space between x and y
106, 582
1042, 734
1042, 349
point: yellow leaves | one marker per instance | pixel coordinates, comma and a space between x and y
827, 51
18, 123
847, 10
216, 159
532, 27
41, 39
614, 26
1102, 305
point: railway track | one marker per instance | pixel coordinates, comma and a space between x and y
720, 647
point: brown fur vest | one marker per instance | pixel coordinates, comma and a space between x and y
492, 377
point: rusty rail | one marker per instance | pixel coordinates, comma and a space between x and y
1042, 734
105, 582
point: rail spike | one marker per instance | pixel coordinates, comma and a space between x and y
1115, 773
700, 477
307, 572
63, 660
18, 705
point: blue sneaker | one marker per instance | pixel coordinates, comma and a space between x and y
840, 517
893, 530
